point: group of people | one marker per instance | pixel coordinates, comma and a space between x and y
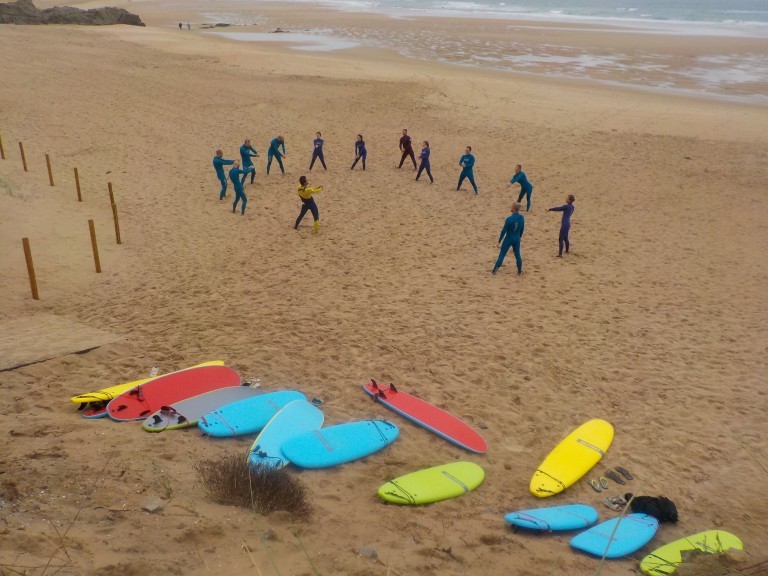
511, 232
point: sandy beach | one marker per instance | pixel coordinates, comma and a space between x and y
655, 321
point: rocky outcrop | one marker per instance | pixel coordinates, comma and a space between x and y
25, 12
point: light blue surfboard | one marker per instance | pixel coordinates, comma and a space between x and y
553, 518
247, 416
634, 531
339, 444
296, 418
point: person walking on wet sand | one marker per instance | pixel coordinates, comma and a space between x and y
526, 188
274, 152
317, 151
246, 153
511, 234
360, 151
424, 162
218, 163
407, 149
307, 202
234, 175
467, 163
565, 224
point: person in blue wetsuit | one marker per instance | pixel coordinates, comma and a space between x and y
407, 149
424, 162
246, 153
511, 234
526, 188
274, 152
565, 224
234, 175
308, 203
317, 151
360, 151
218, 163
467, 163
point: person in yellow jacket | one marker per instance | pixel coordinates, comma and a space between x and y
307, 202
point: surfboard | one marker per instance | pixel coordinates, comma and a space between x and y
187, 412
573, 457
340, 443
107, 394
431, 417
633, 532
140, 402
666, 559
554, 518
247, 416
95, 410
433, 484
296, 418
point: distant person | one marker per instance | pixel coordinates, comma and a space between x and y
234, 175
246, 153
218, 163
189, 26
180, 26
317, 151
360, 151
565, 224
407, 149
424, 162
274, 152
308, 203
467, 163
526, 188
511, 234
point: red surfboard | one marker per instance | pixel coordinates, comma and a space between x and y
430, 417
140, 402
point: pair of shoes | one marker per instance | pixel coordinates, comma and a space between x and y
595, 486
624, 472
615, 477
615, 503
603, 482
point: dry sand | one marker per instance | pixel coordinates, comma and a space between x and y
655, 322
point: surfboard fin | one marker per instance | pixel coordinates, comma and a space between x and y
380, 394
375, 384
392, 387
82, 406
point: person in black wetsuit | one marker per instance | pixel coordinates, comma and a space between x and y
407, 149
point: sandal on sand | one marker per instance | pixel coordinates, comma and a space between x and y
615, 477
595, 485
615, 503
624, 472
603, 482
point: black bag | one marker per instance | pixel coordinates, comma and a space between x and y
661, 508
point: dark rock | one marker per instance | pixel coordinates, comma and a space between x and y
25, 12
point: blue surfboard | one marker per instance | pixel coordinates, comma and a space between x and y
553, 518
247, 416
633, 532
339, 444
296, 418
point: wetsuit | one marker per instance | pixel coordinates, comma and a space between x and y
317, 152
218, 164
526, 188
510, 237
360, 152
424, 164
274, 151
405, 146
245, 155
308, 204
238, 184
565, 226
467, 161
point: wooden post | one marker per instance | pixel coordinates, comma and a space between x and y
111, 194
77, 183
23, 158
48, 163
117, 224
94, 246
30, 268
2, 150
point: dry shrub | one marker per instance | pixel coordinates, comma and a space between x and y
232, 480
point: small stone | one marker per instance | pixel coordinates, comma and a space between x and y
152, 505
367, 552
482, 425
507, 466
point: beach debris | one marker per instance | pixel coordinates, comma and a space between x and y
152, 504
367, 552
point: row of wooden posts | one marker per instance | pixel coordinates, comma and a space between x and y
91, 226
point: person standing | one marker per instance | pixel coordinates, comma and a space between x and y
467, 163
526, 188
407, 149
424, 162
218, 163
180, 26
360, 151
189, 26
317, 151
308, 202
234, 175
511, 234
565, 224
274, 152
246, 153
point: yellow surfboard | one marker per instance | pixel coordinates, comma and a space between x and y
666, 559
107, 394
433, 484
572, 458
